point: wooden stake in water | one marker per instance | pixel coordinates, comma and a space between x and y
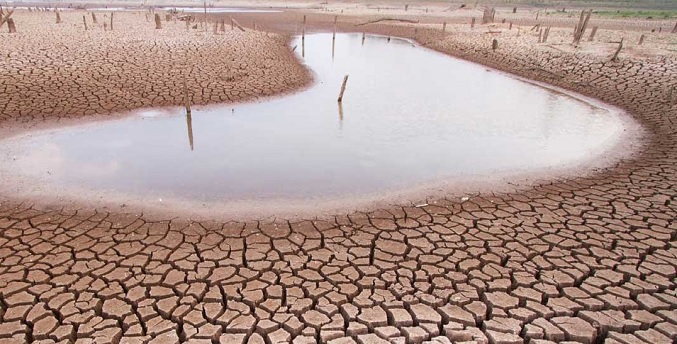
343, 88
363, 36
303, 30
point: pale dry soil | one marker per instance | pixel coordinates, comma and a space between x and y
588, 260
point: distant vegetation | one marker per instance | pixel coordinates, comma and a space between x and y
656, 14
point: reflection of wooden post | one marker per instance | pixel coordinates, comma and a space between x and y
158, 22
189, 124
343, 88
592, 34
186, 97
333, 36
363, 37
620, 46
84, 21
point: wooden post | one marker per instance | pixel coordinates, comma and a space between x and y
444, 27
216, 28
592, 34
674, 29
545, 34
303, 30
84, 21
223, 25
343, 88
620, 46
472, 23
641, 39
234, 22
58, 17
10, 25
205, 3
94, 18
540, 35
111, 21
333, 36
494, 44
514, 10
158, 22
363, 35
510, 28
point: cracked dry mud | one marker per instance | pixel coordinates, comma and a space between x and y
588, 260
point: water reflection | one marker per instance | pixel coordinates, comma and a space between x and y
409, 115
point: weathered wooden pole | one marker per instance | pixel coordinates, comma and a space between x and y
84, 21
333, 36
58, 17
223, 25
205, 4
545, 34
363, 36
510, 27
10, 25
472, 23
674, 29
641, 39
111, 21
444, 27
303, 30
592, 34
514, 10
620, 46
94, 18
494, 44
235, 23
158, 22
343, 88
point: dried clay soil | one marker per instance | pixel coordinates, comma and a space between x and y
588, 260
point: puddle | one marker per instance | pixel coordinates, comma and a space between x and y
410, 116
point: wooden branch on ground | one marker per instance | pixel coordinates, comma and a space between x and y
389, 19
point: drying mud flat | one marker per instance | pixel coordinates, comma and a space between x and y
587, 259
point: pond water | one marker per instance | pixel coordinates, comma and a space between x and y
409, 116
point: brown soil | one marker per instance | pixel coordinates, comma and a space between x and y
590, 260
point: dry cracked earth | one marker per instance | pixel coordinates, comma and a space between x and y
588, 260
